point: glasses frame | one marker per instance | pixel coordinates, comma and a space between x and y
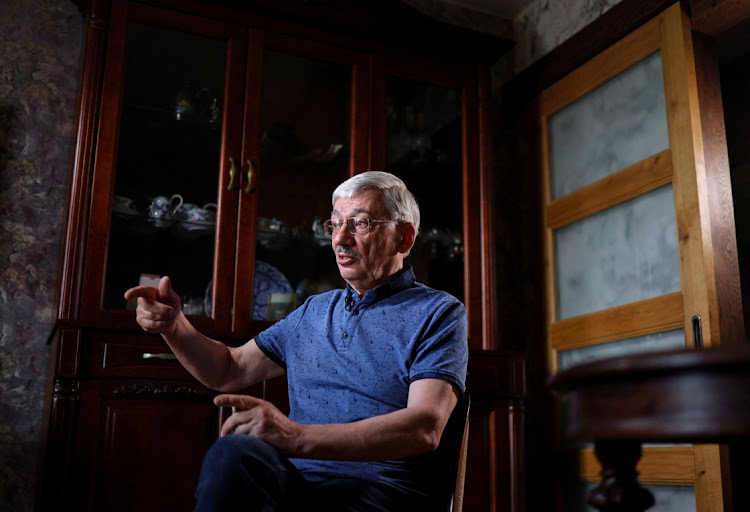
329, 225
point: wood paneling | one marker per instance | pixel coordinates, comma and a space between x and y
620, 186
731, 328
635, 319
661, 465
715, 16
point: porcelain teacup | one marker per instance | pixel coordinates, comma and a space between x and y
189, 212
162, 209
122, 204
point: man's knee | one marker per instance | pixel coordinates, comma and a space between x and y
235, 448
240, 468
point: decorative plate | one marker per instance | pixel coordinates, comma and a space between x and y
267, 280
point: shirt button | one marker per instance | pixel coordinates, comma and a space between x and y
346, 335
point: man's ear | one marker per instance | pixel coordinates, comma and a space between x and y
408, 235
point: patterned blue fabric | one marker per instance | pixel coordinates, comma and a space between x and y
346, 365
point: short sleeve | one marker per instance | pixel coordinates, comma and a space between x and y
272, 341
443, 351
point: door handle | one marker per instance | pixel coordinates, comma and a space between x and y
697, 331
149, 355
232, 173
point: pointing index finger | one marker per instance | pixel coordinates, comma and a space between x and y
148, 292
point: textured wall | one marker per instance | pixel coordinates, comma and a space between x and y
548, 23
539, 29
39, 74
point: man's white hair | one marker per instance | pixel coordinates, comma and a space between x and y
397, 199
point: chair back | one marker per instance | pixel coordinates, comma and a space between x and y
457, 497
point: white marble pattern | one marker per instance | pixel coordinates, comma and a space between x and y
621, 255
616, 125
546, 24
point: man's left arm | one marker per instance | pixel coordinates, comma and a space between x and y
411, 431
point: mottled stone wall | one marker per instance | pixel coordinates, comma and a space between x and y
546, 24
539, 29
40, 48
463, 17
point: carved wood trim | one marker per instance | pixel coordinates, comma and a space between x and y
60, 436
163, 390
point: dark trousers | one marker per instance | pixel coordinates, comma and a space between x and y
243, 473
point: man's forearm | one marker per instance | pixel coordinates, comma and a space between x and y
206, 359
396, 435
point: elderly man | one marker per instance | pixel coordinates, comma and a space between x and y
374, 372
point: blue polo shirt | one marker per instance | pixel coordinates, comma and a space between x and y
345, 365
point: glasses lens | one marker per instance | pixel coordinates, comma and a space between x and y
360, 226
328, 227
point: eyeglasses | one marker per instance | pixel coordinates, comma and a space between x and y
356, 225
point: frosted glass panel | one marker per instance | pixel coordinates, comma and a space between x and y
667, 340
668, 498
623, 254
614, 126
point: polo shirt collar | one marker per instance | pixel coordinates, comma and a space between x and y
404, 279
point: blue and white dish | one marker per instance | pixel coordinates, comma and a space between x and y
267, 280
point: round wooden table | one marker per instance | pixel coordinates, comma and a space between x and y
678, 396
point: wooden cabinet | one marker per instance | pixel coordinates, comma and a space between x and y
210, 139
128, 425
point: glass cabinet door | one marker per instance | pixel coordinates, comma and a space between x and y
424, 147
304, 150
161, 158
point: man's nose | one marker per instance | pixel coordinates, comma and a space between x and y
342, 237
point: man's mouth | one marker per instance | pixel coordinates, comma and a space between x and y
346, 255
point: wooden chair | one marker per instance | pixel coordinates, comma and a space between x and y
457, 497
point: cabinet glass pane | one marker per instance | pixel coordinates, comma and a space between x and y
623, 254
667, 340
667, 498
306, 113
614, 126
424, 148
167, 167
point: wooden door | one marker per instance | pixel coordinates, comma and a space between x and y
631, 214
306, 119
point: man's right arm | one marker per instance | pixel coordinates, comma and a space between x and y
214, 364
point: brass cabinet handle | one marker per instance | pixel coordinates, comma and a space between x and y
249, 187
232, 174
149, 355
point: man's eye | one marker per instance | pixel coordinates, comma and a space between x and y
360, 223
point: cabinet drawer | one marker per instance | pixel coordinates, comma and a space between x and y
120, 355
